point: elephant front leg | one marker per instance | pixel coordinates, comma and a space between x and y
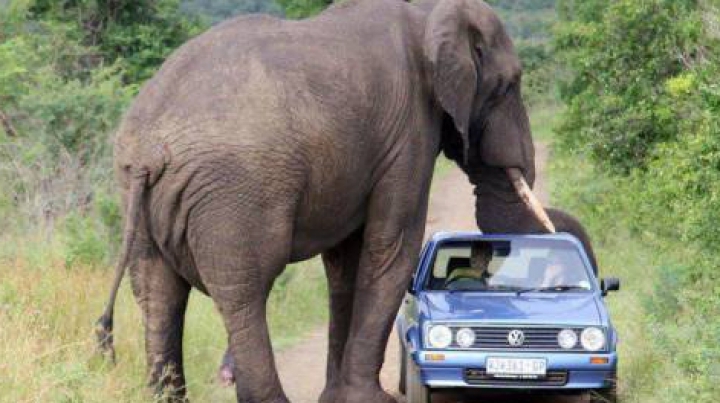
163, 297
341, 265
391, 244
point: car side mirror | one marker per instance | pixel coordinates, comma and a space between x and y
609, 284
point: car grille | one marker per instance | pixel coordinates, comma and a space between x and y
480, 377
536, 338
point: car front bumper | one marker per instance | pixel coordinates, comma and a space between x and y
457, 369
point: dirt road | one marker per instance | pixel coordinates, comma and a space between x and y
302, 368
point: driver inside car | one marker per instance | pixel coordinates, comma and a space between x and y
477, 274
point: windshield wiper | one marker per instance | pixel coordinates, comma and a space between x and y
558, 288
486, 288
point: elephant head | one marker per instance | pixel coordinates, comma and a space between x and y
476, 79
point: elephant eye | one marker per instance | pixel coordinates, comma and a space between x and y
500, 89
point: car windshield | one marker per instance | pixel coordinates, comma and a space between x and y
523, 264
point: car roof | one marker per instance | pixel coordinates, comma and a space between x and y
442, 237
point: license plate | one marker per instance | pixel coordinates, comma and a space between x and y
516, 367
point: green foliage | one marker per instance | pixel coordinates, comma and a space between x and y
523, 5
108, 210
140, 33
62, 111
68, 70
529, 23
84, 242
297, 9
618, 57
644, 110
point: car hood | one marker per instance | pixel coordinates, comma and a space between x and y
535, 308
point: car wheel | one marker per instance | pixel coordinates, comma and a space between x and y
416, 392
402, 385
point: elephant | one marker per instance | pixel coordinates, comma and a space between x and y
264, 142
563, 221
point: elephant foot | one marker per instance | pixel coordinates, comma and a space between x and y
170, 394
168, 382
356, 395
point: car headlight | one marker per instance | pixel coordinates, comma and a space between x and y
465, 337
567, 339
592, 339
439, 336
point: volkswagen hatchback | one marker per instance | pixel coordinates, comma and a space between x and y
511, 312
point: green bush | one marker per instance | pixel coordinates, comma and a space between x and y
68, 70
640, 82
137, 33
84, 242
617, 65
529, 23
297, 9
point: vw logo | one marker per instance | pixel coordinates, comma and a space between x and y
516, 338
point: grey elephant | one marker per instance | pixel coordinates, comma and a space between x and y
563, 221
264, 142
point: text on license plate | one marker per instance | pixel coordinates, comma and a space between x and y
504, 367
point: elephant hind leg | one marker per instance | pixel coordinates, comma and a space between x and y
162, 296
341, 263
238, 268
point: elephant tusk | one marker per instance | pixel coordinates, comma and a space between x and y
528, 197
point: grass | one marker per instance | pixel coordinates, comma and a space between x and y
47, 313
620, 254
50, 299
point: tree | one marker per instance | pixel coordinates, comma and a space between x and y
618, 57
139, 33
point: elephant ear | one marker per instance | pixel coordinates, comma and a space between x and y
453, 70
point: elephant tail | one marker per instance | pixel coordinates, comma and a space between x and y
104, 326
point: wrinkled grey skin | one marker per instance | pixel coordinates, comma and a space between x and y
264, 142
563, 221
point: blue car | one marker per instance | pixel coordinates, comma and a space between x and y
509, 312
